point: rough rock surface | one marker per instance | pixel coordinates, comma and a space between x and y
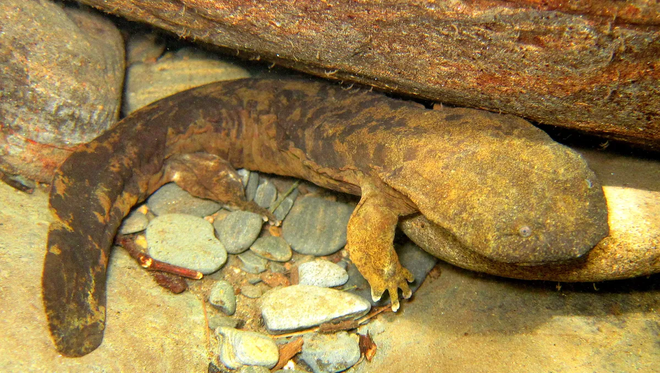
590, 65
174, 72
62, 73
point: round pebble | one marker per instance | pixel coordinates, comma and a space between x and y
186, 241
171, 199
272, 248
252, 291
238, 230
276, 267
316, 226
222, 297
240, 348
302, 306
252, 185
134, 222
252, 262
266, 194
330, 353
285, 206
321, 273
245, 176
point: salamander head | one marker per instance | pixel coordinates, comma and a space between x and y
512, 200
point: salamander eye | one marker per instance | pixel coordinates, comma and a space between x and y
525, 231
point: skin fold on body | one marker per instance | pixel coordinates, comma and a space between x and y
495, 184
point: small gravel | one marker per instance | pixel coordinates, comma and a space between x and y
222, 297
252, 291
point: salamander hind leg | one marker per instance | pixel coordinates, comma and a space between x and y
370, 235
210, 176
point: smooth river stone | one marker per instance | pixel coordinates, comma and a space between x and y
316, 226
303, 306
238, 230
171, 199
186, 241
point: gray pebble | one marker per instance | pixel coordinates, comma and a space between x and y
134, 222
417, 261
272, 248
253, 279
245, 176
222, 297
266, 194
285, 206
411, 256
186, 241
240, 348
238, 230
276, 267
302, 306
330, 353
252, 185
171, 199
321, 273
252, 262
252, 291
316, 226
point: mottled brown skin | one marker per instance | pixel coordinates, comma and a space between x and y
500, 186
608, 260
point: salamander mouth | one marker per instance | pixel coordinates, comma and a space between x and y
530, 245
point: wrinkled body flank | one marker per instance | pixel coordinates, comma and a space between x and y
497, 184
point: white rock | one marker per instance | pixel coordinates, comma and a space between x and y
302, 306
321, 273
240, 348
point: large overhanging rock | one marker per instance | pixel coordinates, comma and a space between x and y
591, 65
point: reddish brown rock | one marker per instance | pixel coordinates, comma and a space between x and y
590, 65
62, 72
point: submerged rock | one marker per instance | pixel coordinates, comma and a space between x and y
302, 306
186, 241
316, 226
240, 348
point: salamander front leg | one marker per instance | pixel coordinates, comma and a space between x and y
370, 235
